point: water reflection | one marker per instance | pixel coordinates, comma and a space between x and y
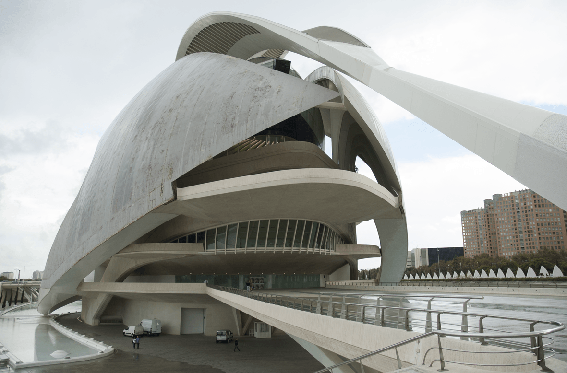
28, 336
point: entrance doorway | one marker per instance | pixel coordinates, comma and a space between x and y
192, 320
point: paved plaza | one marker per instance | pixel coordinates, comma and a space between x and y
186, 353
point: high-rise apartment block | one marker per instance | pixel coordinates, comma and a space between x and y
37, 275
517, 222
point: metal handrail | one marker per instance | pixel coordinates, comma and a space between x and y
536, 337
384, 349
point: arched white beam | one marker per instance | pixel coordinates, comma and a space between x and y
527, 143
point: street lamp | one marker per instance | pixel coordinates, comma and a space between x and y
438, 266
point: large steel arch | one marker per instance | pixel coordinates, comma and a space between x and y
527, 143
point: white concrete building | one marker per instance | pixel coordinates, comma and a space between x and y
216, 171
37, 275
8, 275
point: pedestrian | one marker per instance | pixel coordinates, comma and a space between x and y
236, 345
248, 285
138, 342
134, 342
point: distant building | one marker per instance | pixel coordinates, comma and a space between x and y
443, 253
423, 257
513, 223
37, 275
8, 275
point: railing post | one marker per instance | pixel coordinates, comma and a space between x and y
360, 315
382, 315
540, 352
377, 313
330, 306
481, 330
428, 323
318, 309
407, 321
465, 319
533, 339
441, 358
361, 366
398, 358
439, 320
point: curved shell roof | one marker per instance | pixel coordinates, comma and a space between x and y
193, 110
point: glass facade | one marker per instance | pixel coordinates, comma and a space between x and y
257, 281
267, 235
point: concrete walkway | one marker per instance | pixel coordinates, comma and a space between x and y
187, 353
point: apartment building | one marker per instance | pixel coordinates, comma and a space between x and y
512, 223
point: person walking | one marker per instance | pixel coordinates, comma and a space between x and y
134, 342
248, 285
138, 342
236, 345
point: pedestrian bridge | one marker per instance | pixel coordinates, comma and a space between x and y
338, 327
12, 293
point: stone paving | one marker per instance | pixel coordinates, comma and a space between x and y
186, 353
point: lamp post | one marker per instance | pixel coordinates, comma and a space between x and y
438, 266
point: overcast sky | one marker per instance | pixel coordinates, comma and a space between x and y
68, 67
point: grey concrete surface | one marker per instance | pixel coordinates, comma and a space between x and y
188, 353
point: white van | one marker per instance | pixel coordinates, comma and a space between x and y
151, 326
224, 336
133, 330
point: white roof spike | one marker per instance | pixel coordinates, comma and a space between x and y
543, 271
500, 274
531, 273
476, 274
492, 274
435, 276
406, 277
411, 277
429, 276
462, 275
469, 274
441, 276
483, 274
557, 272
520, 273
510, 274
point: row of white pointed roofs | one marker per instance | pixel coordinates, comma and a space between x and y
500, 274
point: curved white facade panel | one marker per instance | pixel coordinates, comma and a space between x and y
193, 110
527, 143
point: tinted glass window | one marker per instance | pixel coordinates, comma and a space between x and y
241, 239
262, 233
221, 238
211, 239
252, 232
299, 233
191, 238
290, 230
306, 234
281, 233
183, 239
231, 237
272, 233
201, 237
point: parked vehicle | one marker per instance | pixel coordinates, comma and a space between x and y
224, 336
133, 330
151, 327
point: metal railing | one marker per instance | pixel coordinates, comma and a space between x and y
455, 283
441, 322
